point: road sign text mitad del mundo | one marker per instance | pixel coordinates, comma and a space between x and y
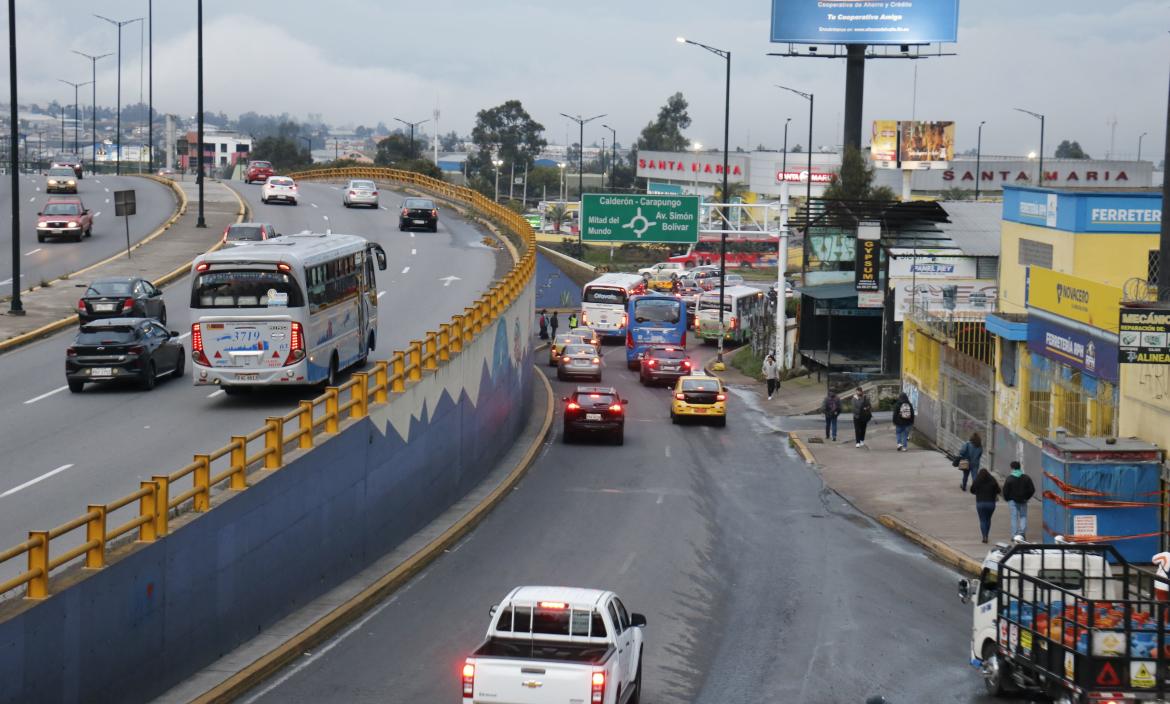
639, 218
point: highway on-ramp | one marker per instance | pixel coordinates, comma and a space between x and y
760, 585
63, 451
45, 261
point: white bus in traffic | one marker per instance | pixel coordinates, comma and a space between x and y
739, 304
603, 302
293, 310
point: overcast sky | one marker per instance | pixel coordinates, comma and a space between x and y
1083, 63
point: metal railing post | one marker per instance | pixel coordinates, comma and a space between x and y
469, 315
381, 381
431, 358
160, 504
457, 334
361, 393
95, 532
331, 421
414, 367
201, 501
305, 414
274, 443
239, 459
445, 342
398, 373
38, 563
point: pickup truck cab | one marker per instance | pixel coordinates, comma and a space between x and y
64, 217
561, 645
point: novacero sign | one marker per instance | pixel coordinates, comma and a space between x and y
638, 218
865, 21
1074, 298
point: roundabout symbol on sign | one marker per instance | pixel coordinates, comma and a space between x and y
639, 230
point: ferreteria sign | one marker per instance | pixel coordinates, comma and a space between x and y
639, 218
1143, 336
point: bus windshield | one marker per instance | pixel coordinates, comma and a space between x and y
657, 310
604, 294
246, 289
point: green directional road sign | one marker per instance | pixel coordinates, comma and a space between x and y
639, 218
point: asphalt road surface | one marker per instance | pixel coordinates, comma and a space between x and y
760, 585
56, 257
63, 450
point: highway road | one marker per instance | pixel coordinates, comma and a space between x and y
56, 257
759, 583
64, 450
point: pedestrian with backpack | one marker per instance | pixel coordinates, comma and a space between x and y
862, 414
831, 408
967, 461
903, 421
1018, 489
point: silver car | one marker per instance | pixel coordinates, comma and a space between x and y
360, 193
578, 361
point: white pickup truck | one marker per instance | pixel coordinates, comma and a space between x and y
557, 645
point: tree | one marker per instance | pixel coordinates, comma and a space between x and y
506, 131
545, 177
856, 180
449, 142
557, 213
797, 149
1070, 150
285, 153
664, 134
393, 149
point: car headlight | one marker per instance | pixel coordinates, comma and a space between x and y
73, 183
71, 223
52, 182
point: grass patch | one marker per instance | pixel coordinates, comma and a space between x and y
748, 364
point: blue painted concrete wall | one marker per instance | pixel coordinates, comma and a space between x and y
133, 630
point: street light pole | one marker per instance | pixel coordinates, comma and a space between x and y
561, 166
200, 221
411, 125
15, 307
978, 159
784, 159
1038, 116
150, 83
497, 163
613, 157
1140, 138
581, 152
120, 25
93, 59
76, 114
726, 56
808, 180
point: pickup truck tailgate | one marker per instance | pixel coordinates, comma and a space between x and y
505, 681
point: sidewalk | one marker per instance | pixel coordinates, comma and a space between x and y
161, 257
917, 490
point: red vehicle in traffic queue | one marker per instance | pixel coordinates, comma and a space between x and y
741, 252
258, 171
64, 217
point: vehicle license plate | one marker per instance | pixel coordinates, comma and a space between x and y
103, 307
101, 371
700, 410
592, 416
55, 232
420, 222
247, 377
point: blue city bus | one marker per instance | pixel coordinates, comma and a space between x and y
654, 319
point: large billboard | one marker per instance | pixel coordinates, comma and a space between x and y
883, 144
865, 21
925, 142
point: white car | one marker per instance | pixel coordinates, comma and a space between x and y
279, 188
360, 193
677, 267
557, 644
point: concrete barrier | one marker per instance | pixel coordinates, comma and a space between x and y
129, 632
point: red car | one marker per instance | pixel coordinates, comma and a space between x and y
64, 217
258, 171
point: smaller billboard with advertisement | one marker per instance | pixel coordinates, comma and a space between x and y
968, 297
925, 144
1144, 335
864, 21
883, 145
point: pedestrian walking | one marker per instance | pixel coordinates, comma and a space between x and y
986, 491
862, 414
903, 421
553, 324
968, 458
771, 374
572, 320
1018, 489
543, 321
831, 408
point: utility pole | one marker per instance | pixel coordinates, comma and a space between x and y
15, 307
200, 221
76, 113
1163, 243
93, 59
411, 125
150, 82
581, 158
120, 25
613, 158
978, 159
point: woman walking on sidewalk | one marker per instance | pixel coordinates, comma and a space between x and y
831, 408
862, 413
968, 459
986, 491
771, 374
903, 421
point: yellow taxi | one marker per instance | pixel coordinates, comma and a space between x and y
565, 338
699, 396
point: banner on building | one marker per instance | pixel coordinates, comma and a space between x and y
968, 297
1143, 336
932, 267
883, 145
868, 254
1095, 355
1072, 297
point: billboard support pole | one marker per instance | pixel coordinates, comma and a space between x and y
854, 94
907, 184
1163, 242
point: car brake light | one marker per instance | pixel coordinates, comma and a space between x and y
468, 680
572, 407
81, 305
616, 408
733, 322
598, 693
625, 319
197, 345
651, 362
353, 193
284, 267
202, 266
375, 193
557, 605
435, 213
686, 363
594, 395
720, 397
296, 345
681, 397
128, 304
629, 339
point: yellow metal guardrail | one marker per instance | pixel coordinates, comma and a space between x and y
147, 511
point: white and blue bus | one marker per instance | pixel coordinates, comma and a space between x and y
293, 310
603, 302
655, 319
740, 303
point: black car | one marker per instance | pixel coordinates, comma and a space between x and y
419, 212
595, 410
123, 349
664, 364
121, 297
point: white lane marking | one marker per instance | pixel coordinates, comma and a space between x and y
38, 189
30, 482
213, 394
383, 207
107, 200
380, 294
107, 190
659, 499
34, 399
336, 188
413, 252
99, 212
97, 180
668, 452
448, 279
7, 281
313, 204
33, 251
406, 270
32, 199
183, 336
412, 235
310, 659
626, 565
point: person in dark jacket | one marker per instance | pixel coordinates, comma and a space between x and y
1018, 489
986, 491
862, 414
903, 421
543, 320
553, 324
831, 408
971, 453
